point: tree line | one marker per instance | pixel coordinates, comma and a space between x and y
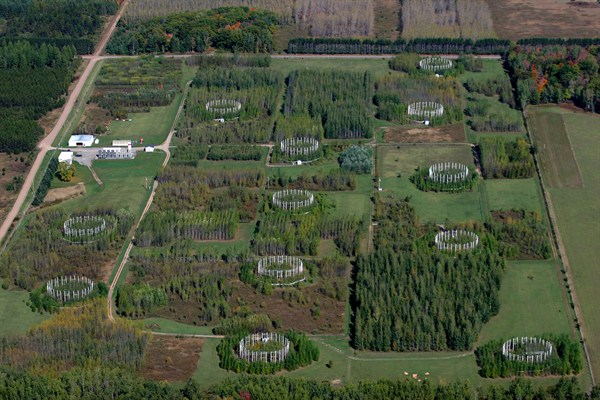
239, 29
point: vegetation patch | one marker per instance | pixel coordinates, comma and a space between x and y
171, 359
300, 352
502, 159
498, 358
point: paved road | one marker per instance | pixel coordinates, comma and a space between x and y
46, 144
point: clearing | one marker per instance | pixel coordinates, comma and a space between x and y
454, 133
171, 359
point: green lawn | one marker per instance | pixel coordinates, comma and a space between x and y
401, 160
491, 69
578, 211
123, 183
157, 324
531, 302
377, 67
509, 194
153, 126
16, 317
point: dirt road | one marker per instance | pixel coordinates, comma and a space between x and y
46, 144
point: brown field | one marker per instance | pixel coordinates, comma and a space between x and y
387, 19
61, 194
11, 166
554, 149
443, 134
171, 359
294, 315
515, 19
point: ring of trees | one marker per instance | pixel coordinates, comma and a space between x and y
293, 199
286, 270
527, 349
84, 228
425, 109
299, 147
456, 240
448, 173
223, 106
435, 64
69, 288
264, 347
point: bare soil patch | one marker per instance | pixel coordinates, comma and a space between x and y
66, 193
504, 216
515, 19
440, 134
171, 359
387, 19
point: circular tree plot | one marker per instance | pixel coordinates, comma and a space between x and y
449, 173
425, 109
69, 288
285, 270
456, 241
223, 106
265, 347
293, 199
84, 228
435, 64
299, 148
527, 349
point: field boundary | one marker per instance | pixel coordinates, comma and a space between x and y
560, 254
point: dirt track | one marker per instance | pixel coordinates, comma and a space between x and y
46, 144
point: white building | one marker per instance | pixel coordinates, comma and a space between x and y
81, 140
121, 143
149, 149
66, 156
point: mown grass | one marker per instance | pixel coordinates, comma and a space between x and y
378, 66
395, 165
16, 317
510, 194
531, 302
577, 211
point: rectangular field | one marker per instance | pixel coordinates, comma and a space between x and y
509, 194
558, 163
577, 210
16, 317
398, 163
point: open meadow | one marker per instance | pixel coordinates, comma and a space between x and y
576, 206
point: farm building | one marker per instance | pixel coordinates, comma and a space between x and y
121, 143
81, 140
66, 156
149, 149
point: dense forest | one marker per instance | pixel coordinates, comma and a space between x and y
61, 23
401, 298
240, 29
104, 383
556, 73
502, 159
33, 80
341, 100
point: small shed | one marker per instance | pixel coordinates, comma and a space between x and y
66, 156
149, 149
81, 140
121, 143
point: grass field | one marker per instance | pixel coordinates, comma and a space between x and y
509, 194
16, 317
430, 206
555, 153
577, 211
153, 126
377, 67
531, 302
